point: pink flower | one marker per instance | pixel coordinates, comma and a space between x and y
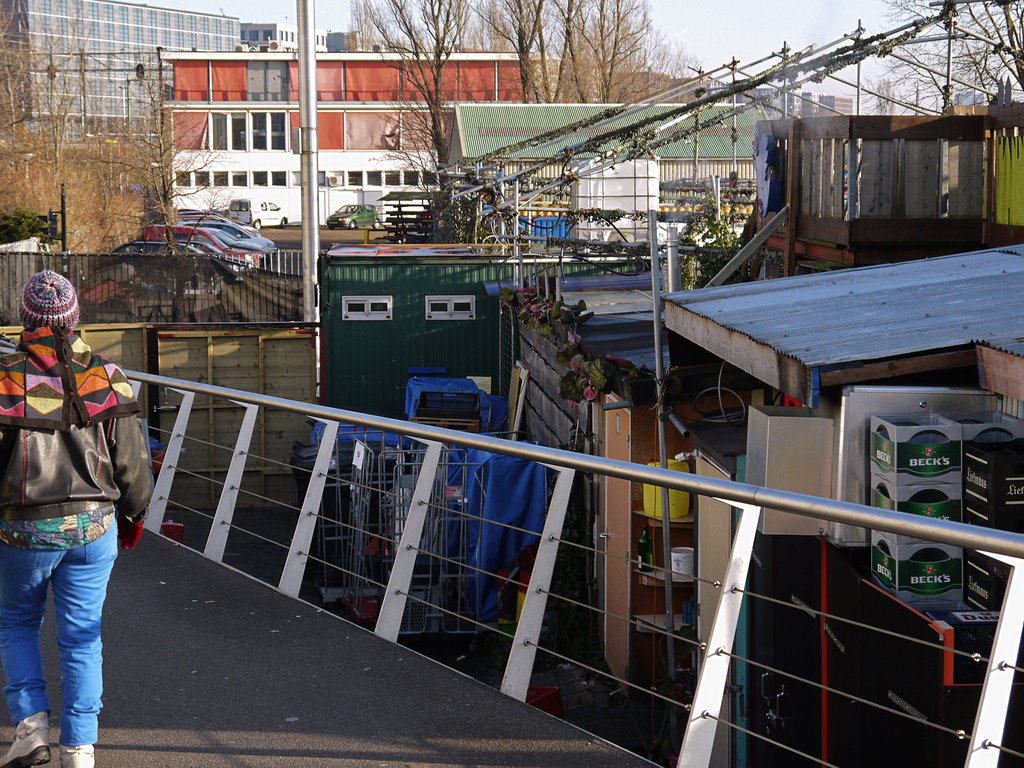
590, 393
576, 362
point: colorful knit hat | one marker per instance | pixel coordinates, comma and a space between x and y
48, 299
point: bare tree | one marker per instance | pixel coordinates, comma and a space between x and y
986, 48
425, 34
518, 24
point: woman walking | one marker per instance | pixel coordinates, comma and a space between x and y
74, 479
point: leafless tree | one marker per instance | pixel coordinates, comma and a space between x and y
517, 24
425, 34
987, 48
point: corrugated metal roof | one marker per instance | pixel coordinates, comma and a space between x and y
877, 312
485, 128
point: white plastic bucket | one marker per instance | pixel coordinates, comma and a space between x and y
682, 562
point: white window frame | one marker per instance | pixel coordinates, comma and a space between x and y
350, 312
450, 301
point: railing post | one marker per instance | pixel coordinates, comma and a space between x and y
699, 739
295, 565
519, 668
162, 489
990, 722
221, 526
392, 609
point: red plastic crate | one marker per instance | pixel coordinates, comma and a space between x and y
547, 698
173, 531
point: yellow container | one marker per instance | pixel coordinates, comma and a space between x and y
678, 501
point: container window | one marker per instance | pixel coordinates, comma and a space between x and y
367, 307
451, 307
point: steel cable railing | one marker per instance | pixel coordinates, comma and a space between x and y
401, 496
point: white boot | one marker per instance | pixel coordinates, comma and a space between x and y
31, 744
77, 757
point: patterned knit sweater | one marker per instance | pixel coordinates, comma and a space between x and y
55, 382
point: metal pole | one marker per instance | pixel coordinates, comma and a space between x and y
307, 159
672, 249
860, 25
666, 528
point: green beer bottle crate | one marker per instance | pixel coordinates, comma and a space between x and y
919, 572
915, 449
941, 501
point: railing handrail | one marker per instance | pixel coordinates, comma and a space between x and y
949, 532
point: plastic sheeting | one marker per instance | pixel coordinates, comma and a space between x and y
493, 409
506, 490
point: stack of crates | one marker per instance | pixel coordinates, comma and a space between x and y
993, 492
451, 410
916, 468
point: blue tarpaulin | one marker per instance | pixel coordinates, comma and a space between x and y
507, 490
493, 409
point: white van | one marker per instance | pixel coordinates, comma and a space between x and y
257, 213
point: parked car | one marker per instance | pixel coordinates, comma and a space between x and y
247, 236
159, 247
247, 259
258, 213
353, 216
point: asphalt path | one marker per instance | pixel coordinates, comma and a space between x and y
207, 668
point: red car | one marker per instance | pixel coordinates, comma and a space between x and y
198, 235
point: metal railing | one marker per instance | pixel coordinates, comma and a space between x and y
391, 553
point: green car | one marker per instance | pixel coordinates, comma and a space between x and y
353, 216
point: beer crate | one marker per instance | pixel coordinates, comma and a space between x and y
1001, 518
984, 581
919, 572
968, 632
915, 449
994, 476
941, 501
986, 426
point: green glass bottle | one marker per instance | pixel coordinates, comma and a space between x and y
645, 550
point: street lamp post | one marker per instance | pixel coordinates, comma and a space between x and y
27, 156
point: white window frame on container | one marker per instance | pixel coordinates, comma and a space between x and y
451, 307
367, 307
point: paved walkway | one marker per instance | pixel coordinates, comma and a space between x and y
207, 667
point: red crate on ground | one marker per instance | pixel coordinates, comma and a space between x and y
173, 531
547, 698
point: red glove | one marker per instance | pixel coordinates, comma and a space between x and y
128, 532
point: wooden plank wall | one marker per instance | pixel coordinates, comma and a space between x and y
278, 363
1009, 202
548, 418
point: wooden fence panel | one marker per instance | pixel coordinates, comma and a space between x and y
920, 161
966, 178
877, 178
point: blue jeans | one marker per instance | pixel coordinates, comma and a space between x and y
79, 577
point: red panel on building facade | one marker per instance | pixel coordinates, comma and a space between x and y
372, 81
189, 130
191, 80
510, 87
228, 79
330, 130
476, 81
330, 81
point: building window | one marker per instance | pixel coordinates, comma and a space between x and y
373, 179
151, 18
259, 178
123, 14
412, 178
179, 39
204, 24
191, 23
259, 130
278, 134
165, 19
279, 178
152, 36
321, 179
238, 132
451, 307
366, 307
220, 178
165, 37
216, 26
179, 21
393, 178
183, 179
429, 179
137, 13
108, 31
94, 10
268, 35
140, 35
239, 179
192, 40
220, 130
355, 178
108, 12
202, 178
204, 42
229, 28
124, 33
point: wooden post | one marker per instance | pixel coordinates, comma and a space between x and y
792, 195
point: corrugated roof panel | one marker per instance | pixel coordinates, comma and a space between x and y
490, 127
878, 312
